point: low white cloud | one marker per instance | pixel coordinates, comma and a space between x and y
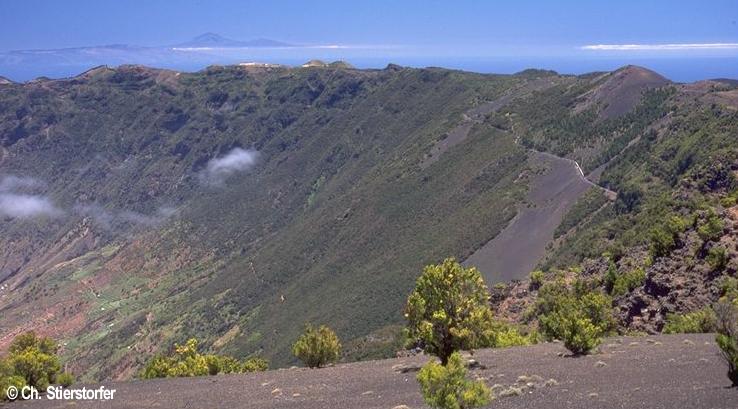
236, 161
661, 47
110, 219
17, 202
9, 183
23, 206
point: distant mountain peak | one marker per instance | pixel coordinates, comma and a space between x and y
211, 39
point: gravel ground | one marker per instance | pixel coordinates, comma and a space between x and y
667, 371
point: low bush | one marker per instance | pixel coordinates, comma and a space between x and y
579, 315
536, 279
187, 361
625, 283
31, 361
665, 238
65, 379
446, 387
727, 336
711, 228
717, 258
507, 335
696, 322
317, 346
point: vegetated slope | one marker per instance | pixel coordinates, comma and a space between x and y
677, 371
667, 244
331, 224
148, 242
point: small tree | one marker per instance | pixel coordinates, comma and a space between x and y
727, 336
449, 310
317, 347
446, 387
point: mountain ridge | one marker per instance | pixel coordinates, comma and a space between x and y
327, 204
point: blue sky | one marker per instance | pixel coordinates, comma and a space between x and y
533, 27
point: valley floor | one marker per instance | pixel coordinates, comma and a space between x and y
666, 371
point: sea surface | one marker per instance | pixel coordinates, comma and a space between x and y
676, 68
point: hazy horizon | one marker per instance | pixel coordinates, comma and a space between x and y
681, 40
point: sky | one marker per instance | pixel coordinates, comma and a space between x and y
29, 24
394, 29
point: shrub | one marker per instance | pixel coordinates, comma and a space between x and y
696, 322
536, 279
34, 359
507, 335
717, 257
7, 381
727, 336
449, 310
31, 361
711, 228
255, 365
65, 379
317, 347
579, 316
187, 361
729, 288
664, 238
446, 386
628, 282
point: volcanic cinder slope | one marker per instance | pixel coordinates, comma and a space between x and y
679, 371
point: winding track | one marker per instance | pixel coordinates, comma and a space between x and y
518, 248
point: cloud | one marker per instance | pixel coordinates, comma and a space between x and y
235, 161
22, 206
110, 219
9, 183
661, 47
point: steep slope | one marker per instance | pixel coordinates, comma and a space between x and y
620, 91
149, 243
666, 244
141, 206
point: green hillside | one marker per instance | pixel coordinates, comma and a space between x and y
238, 203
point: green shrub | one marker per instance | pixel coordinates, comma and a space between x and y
536, 279
34, 359
579, 316
65, 379
317, 346
664, 238
507, 335
727, 336
711, 228
449, 310
628, 282
696, 322
31, 361
446, 386
187, 361
255, 365
729, 288
7, 381
717, 257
